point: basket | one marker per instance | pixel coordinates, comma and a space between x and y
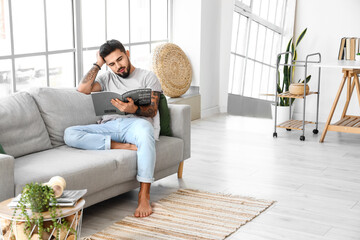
298, 88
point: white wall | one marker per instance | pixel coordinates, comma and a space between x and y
209, 56
186, 32
227, 9
327, 22
202, 28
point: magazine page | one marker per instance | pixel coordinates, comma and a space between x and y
102, 103
71, 196
102, 100
141, 97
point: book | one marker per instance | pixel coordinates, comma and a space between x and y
67, 199
348, 47
341, 49
352, 48
102, 100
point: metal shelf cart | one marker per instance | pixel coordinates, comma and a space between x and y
292, 124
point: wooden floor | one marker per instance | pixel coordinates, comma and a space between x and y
316, 185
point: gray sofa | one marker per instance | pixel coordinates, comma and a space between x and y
31, 132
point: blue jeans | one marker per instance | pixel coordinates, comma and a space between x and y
137, 131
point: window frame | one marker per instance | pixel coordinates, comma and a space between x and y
77, 45
81, 71
246, 11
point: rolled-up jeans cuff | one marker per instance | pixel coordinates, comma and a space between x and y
107, 142
145, 180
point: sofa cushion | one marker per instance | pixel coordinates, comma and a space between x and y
90, 169
164, 112
94, 170
62, 108
2, 150
22, 130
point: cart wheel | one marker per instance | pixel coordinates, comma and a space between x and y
302, 138
288, 129
315, 131
275, 134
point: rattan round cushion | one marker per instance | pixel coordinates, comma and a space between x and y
172, 68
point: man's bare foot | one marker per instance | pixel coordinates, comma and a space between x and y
144, 209
128, 146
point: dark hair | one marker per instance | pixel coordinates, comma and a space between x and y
110, 46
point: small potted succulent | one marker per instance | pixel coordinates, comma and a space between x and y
357, 57
40, 198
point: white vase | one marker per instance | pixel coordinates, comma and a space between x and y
357, 57
282, 113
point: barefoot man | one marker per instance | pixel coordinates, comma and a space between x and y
137, 130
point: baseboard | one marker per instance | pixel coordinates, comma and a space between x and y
209, 111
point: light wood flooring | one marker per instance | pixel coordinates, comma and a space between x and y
316, 185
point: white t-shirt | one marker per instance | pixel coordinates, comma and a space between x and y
139, 78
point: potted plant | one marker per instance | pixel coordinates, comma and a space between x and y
40, 198
283, 104
357, 57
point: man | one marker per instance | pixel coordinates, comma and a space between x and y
137, 130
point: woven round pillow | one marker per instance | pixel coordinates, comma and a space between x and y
172, 68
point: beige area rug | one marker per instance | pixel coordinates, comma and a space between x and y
188, 214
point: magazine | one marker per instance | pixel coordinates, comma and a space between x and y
102, 100
67, 199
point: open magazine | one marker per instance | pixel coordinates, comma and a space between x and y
67, 199
102, 100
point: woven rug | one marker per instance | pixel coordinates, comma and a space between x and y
188, 214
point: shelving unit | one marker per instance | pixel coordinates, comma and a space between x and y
293, 124
347, 123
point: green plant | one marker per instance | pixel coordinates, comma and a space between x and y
39, 198
288, 72
358, 54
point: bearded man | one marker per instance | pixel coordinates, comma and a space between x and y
137, 130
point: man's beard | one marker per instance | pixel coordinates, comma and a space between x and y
126, 73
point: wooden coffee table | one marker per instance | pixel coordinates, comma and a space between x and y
13, 225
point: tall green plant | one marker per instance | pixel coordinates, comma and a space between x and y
287, 73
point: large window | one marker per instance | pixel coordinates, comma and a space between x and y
257, 35
54, 42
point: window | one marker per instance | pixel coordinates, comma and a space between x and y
55, 43
139, 24
257, 36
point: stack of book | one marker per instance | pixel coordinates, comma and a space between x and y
67, 199
349, 47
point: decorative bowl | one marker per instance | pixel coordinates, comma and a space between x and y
298, 88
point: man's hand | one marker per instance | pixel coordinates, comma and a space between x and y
128, 107
88, 84
99, 60
150, 110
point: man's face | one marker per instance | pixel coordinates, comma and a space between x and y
119, 63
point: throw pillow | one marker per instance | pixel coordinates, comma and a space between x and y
2, 150
165, 129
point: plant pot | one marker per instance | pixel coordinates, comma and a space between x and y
298, 88
282, 113
37, 206
38, 200
357, 57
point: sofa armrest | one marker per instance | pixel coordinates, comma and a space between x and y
180, 123
7, 184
